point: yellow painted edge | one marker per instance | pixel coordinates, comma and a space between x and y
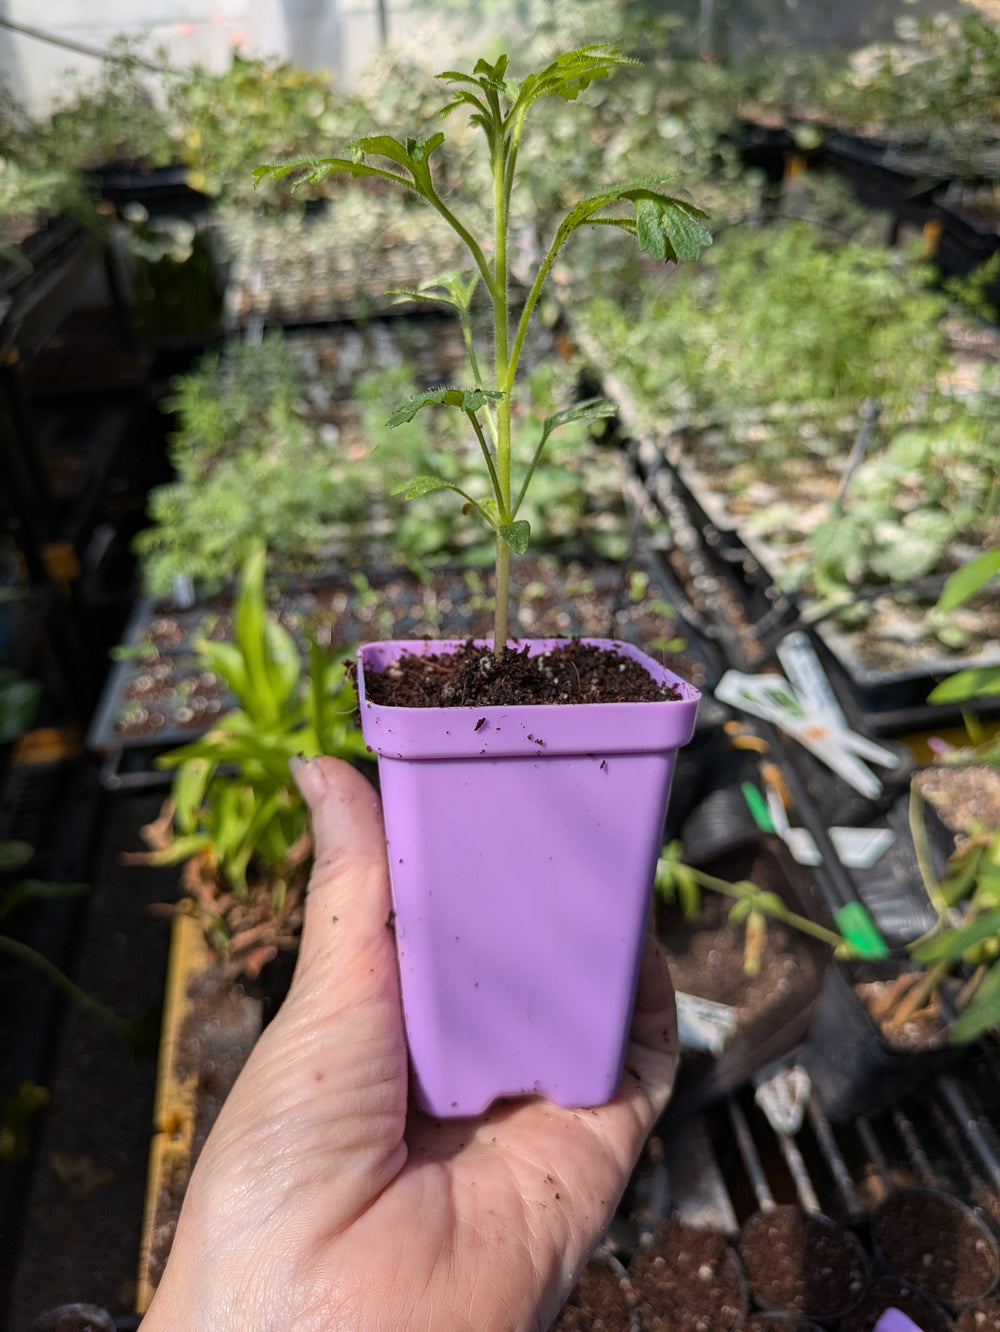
957, 736
174, 1103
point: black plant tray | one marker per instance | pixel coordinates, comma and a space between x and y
890, 698
163, 191
771, 1024
158, 695
853, 1068
897, 178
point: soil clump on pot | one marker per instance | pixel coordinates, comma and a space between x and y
804, 1263
688, 1280
472, 677
937, 1244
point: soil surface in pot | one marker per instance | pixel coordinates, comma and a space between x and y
688, 1280
804, 1263
934, 1243
983, 1316
888, 1293
472, 677
706, 957
906, 1019
780, 1322
601, 1301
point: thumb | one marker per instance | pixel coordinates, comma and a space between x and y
348, 902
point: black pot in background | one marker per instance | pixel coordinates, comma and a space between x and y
802, 1262
853, 1069
931, 1240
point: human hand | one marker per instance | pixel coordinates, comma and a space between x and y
322, 1201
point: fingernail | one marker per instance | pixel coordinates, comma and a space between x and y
308, 777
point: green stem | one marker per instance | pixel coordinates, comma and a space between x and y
501, 190
483, 444
24, 953
501, 623
802, 923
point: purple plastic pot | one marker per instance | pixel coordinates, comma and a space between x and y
522, 848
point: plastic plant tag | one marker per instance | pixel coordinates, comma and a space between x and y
775, 700
704, 1024
783, 1094
857, 848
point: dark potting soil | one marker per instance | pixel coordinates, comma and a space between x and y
983, 1316
804, 1263
472, 677
781, 1322
601, 1301
933, 1242
888, 1293
687, 1280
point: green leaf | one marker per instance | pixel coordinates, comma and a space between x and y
14, 855
951, 944
188, 791
421, 485
469, 400
249, 619
19, 700
976, 682
667, 228
964, 582
588, 409
516, 535
982, 1013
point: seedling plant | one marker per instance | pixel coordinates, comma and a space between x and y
667, 227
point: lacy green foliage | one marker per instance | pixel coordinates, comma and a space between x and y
253, 108
939, 79
498, 106
775, 315
250, 465
931, 490
28, 196
115, 116
234, 797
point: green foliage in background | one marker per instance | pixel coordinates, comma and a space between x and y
249, 467
234, 802
929, 491
776, 321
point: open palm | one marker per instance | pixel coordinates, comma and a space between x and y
323, 1200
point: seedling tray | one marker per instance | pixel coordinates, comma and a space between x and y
157, 694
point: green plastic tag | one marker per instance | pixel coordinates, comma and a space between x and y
758, 807
860, 931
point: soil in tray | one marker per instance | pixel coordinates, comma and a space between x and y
983, 1316
801, 1262
601, 1301
933, 1242
162, 697
889, 1293
688, 1280
706, 957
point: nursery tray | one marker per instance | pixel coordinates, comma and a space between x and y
886, 663
705, 958
561, 598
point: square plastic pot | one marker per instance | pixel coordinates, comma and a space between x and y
522, 849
